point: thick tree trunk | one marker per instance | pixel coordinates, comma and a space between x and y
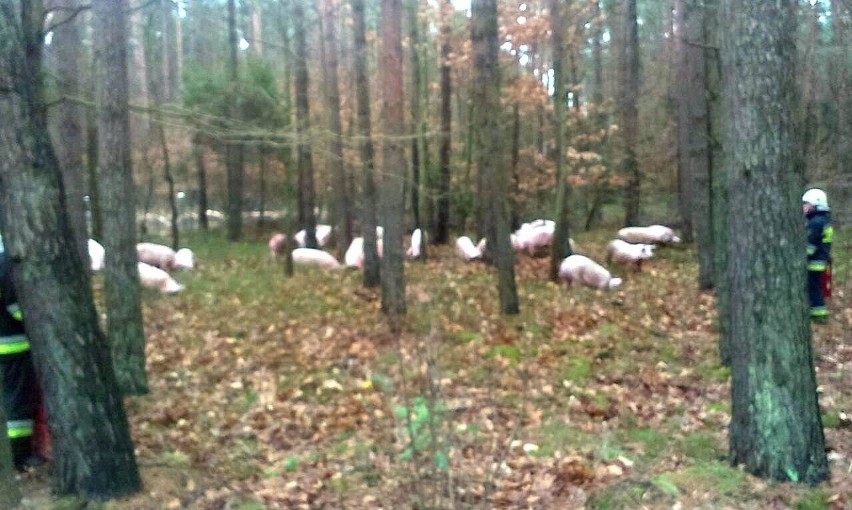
393, 158
695, 126
489, 150
71, 355
560, 247
69, 120
122, 290
776, 430
442, 226
369, 199
234, 150
342, 202
630, 113
307, 193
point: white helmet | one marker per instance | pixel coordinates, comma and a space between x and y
817, 198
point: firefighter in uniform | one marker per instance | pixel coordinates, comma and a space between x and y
820, 237
20, 387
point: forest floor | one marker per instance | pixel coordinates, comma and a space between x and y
268, 392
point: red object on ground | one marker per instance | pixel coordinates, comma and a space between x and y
826, 283
41, 434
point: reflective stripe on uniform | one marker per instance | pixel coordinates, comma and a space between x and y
819, 311
15, 311
828, 235
13, 344
19, 428
817, 265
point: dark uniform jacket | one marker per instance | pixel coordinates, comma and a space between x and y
820, 237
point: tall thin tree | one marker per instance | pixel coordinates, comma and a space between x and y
234, 150
369, 192
629, 112
393, 169
71, 355
490, 157
560, 248
442, 230
122, 290
776, 430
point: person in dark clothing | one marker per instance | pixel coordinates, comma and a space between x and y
20, 386
820, 237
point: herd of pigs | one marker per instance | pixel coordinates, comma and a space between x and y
633, 246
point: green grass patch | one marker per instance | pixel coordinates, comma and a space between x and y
816, 499
652, 442
577, 370
715, 373
556, 436
510, 352
831, 421
702, 446
713, 477
666, 485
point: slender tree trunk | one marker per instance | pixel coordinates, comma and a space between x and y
560, 247
776, 430
92, 171
69, 119
412, 8
9, 493
393, 158
256, 31
489, 154
138, 72
261, 163
342, 202
170, 183
307, 194
630, 113
681, 90
370, 195
122, 289
442, 230
516, 157
234, 150
201, 174
841, 16
71, 355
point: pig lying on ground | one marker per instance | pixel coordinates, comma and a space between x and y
96, 255
155, 278
467, 250
311, 257
184, 259
654, 234
354, 256
156, 255
323, 235
584, 271
628, 254
415, 251
277, 244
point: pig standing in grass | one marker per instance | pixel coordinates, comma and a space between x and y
628, 254
96, 255
585, 271
654, 234
311, 257
277, 244
155, 278
415, 251
467, 250
354, 256
156, 255
184, 259
323, 235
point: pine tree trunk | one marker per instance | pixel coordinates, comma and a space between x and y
9, 493
681, 91
489, 151
630, 113
122, 290
776, 430
442, 230
841, 19
234, 150
69, 120
71, 355
256, 30
92, 175
370, 195
560, 247
342, 203
138, 73
307, 193
170, 185
412, 8
393, 158
201, 175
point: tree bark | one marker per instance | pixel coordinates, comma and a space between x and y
412, 11
234, 150
201, 175
122, 290
92, 176
342, 203
393, 168
776, 430
560, 247
680, 93
138, 72
170, 185
442, 231
69, 119
630, 113
369, 199
307, 193
841, 15
489, 154
70, 354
